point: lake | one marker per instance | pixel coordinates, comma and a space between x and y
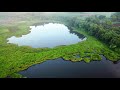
60, 68
47, 35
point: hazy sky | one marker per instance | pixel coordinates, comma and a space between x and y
92, 13
102, 13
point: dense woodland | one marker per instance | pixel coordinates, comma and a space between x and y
102, 33
104, 28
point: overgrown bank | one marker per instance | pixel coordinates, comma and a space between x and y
14, 59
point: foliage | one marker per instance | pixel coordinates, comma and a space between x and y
15, 58
103, 30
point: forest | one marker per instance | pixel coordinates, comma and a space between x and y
102, 33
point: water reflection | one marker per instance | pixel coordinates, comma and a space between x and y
48, 35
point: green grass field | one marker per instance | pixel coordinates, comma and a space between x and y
15, 58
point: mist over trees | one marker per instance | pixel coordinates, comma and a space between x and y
102, 27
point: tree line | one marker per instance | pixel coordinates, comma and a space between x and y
101, 27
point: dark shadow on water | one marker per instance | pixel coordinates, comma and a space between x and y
78, 34
115, 62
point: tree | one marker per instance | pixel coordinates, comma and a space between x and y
116, 17
101, 17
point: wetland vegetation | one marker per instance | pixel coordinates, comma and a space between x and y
102, 38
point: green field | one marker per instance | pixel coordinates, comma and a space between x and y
15, 58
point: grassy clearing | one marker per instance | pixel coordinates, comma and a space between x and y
14, 59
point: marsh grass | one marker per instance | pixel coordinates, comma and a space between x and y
14, 58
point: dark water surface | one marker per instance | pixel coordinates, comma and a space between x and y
60, 68
48, 35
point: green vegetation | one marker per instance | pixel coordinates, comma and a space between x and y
15, 58
105, 30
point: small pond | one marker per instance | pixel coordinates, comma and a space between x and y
47, 35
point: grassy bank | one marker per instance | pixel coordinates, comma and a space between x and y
14, 59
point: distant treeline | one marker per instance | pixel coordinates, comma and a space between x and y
104, 28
